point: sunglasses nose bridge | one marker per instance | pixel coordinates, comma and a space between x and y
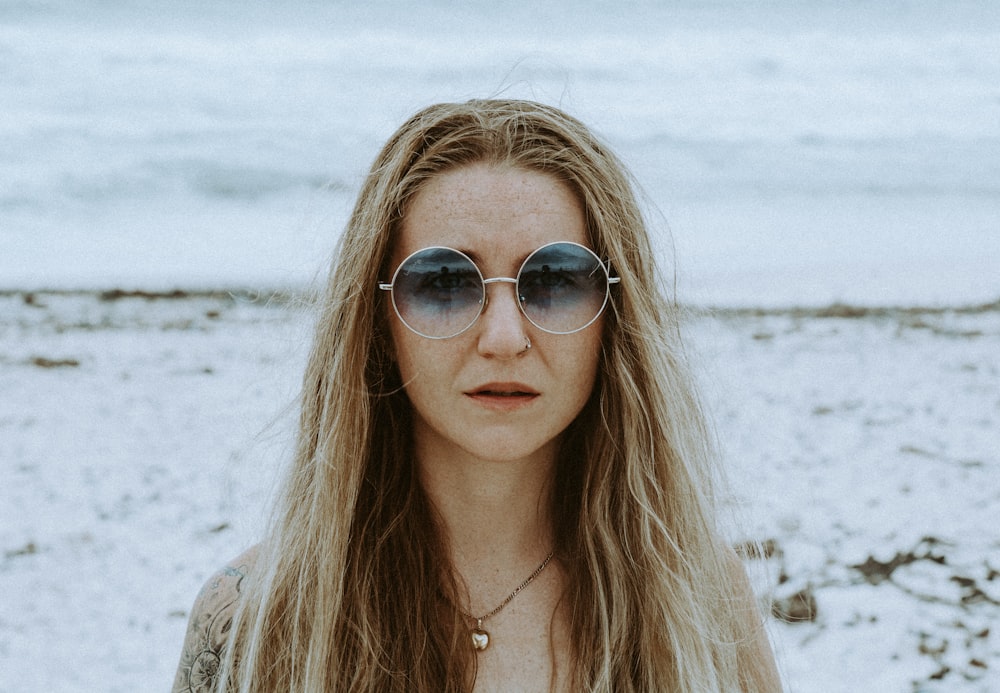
500, 280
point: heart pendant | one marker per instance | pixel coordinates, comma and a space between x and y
480, 639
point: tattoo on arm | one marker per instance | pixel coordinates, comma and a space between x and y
208, 630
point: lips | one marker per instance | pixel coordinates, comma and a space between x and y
504, 396
504, 390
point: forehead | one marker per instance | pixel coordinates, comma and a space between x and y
495, 214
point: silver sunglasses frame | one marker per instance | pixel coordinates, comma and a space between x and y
605, 266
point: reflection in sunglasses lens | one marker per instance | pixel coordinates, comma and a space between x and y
562, 287
438, 292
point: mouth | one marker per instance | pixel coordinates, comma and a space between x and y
503, 395
504, 390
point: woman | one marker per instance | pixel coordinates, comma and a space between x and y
503, 480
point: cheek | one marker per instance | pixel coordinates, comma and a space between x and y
580, 366
403, 351
420, 361
588, 375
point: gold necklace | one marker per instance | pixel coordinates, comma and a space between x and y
480, 636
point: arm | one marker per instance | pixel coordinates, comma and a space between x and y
208, 628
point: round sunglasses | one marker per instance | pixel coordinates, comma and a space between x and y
439, 292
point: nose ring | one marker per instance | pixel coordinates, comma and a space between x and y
528, 345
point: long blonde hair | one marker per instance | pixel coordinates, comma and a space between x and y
351, 589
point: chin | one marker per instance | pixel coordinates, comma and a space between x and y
514, 448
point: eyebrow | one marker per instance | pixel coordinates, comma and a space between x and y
473, 255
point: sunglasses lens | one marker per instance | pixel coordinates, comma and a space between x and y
438, 292
562, 287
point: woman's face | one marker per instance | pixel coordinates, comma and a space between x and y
481, 393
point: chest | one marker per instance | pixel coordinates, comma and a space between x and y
529, 651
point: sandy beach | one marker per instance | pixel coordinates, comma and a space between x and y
141, 435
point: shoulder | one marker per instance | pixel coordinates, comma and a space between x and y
210, 623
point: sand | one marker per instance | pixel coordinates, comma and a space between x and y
140, 437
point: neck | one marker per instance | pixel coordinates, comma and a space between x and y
496, 516
489, 508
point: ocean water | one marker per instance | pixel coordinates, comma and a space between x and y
789, 151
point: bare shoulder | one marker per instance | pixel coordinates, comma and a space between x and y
209, 625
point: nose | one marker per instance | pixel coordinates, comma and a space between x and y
502, 325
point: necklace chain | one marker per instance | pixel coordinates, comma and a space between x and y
481, 637
510, 597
